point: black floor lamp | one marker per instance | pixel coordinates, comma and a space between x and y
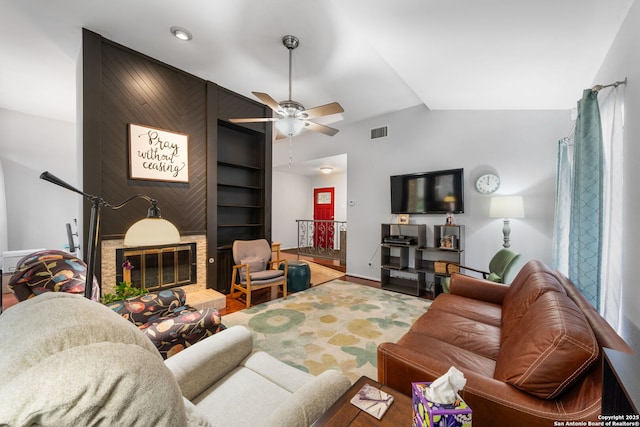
152, 230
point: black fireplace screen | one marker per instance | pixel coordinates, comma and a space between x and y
157, 268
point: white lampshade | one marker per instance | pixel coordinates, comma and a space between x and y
289, 126
150, 232
506, 207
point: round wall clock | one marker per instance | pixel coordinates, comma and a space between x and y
488, 183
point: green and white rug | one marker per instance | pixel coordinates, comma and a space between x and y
337, 325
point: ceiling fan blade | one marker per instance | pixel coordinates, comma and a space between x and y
321, 128
268, 100
254, 120
323, 110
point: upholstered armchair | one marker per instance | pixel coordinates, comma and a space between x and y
83, 346
499, 267
255, 270
50, 271
168, 321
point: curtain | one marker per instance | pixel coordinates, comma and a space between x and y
585, 233
563, 204
588, 218
611, 105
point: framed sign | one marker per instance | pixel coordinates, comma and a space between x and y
158, 154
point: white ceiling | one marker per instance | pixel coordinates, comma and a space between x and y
372, 56
337, 163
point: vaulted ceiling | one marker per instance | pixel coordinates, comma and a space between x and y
372, 56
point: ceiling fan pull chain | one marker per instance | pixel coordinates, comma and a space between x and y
290, 151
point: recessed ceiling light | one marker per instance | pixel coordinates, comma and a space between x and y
326, 169
181, 33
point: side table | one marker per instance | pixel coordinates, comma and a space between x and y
343, 413
620, 388
298, 275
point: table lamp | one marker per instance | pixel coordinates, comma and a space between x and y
506, 207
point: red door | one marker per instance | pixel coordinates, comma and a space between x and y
323, 205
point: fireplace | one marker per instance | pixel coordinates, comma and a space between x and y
157, 268
112, 270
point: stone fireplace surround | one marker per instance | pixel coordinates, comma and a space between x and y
197, 294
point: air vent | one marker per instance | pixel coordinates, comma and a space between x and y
381, 132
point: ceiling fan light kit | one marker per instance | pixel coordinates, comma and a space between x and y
292, 116
289, 126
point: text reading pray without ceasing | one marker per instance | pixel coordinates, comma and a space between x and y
158, 155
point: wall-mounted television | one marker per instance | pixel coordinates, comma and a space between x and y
437, 192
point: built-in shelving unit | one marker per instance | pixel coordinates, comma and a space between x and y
414, 267
241, 192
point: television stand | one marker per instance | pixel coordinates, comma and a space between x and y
397, 265
409, 265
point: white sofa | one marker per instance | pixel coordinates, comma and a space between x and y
67, 361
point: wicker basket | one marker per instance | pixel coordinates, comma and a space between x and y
441, 267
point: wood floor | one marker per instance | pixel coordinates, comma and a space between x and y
8, 300
331, 263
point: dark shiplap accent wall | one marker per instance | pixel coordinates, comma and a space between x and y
137, 89
121, 86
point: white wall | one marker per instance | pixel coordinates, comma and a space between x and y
37, 211
293, 199
290, 201
623, 60
4, 237
519, 145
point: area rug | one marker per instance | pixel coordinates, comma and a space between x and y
337, 325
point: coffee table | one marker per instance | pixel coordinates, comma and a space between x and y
343, 413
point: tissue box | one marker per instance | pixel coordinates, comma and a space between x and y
427, 413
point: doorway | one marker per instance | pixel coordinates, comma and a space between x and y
323, 215
294, 208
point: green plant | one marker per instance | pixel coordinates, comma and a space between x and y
124, 290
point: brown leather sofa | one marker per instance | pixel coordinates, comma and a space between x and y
531, 351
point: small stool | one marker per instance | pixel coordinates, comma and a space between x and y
298, 275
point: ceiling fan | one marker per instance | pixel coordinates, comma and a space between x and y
292, 116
